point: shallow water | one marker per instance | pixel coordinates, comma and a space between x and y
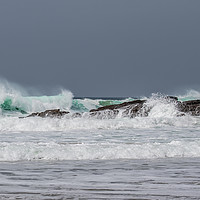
101, 179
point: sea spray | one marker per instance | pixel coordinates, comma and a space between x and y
161, 106
61, 101
11, 97
13, 100
189, 95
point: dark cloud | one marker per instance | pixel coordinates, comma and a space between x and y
101, 48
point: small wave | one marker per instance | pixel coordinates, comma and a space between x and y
100, 151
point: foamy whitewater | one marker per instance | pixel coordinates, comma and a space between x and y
154, 157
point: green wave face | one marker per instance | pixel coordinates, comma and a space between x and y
109, 102
84, 105
7, 106
78, 106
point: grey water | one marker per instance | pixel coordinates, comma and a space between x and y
169, 178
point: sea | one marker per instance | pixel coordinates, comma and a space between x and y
154, 157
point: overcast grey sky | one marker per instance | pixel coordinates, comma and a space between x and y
101, 48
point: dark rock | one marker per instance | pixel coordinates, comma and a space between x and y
130, 109
127, 109
191, 107
49, 113
139, 108
104, 114
171, 98
118, 106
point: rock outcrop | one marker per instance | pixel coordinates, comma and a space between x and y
191, 107
49, 113
140, 108
131, 109
127, 109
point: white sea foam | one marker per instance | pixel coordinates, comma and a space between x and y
54, 151
63, 124
161, 107
20, 99
8, 90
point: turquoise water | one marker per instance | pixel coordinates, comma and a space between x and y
24, 105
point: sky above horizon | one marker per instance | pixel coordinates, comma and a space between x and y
101, 48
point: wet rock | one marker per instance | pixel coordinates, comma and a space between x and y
130, 109
191, 107
49, 113
171, 98
118, 106
104, 114
139, 108
127, 109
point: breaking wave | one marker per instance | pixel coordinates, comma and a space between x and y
161, 134
13, 103
100, 151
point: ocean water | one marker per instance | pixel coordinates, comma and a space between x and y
154, 157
